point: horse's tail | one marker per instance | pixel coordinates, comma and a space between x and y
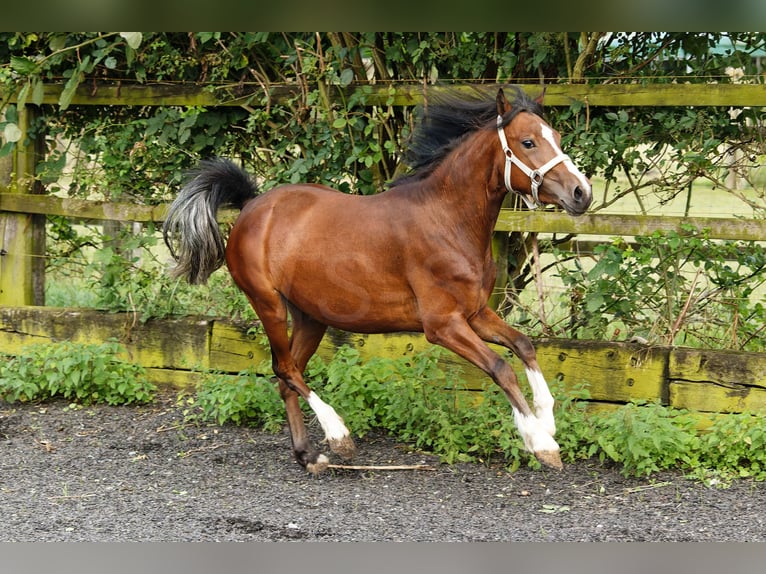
191, 231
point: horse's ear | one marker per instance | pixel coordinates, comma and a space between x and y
502, 103
539, 99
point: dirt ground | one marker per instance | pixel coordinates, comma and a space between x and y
144, 474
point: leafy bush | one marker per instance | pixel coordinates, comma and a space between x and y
671, 288
736, 446
419, 403
79, 372
244, 399
646, 438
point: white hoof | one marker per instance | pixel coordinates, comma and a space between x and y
319, 466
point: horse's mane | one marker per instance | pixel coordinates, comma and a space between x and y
446, 119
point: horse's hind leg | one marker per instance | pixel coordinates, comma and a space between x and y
306, 336
289, 358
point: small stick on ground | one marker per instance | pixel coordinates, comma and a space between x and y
382, 467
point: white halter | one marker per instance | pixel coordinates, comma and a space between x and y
535, 175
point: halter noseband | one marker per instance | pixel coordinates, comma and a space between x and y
535, 175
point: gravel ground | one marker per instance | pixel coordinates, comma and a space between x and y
141, 474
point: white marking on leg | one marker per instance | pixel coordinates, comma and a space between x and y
535, 435
543, 400
332, 425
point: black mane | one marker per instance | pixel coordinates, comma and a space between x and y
447, 119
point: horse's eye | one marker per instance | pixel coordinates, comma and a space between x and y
528, 144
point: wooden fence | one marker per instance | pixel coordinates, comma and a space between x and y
175, 351
172, 350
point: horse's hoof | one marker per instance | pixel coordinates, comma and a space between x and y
343, 447
319, 466
550, 458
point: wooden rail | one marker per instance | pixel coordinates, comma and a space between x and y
403, 94
175, 351
548, 221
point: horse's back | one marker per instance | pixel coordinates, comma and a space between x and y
296, 217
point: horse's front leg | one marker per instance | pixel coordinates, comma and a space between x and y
454, 332
493, 329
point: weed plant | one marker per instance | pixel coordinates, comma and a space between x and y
82, 373
416, 401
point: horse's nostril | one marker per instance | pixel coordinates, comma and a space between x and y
578, 193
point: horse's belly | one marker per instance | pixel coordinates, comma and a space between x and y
359, 307
352, 294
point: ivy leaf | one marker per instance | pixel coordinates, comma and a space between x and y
132, 38
346, 77
12, 133
23, 65
69, 90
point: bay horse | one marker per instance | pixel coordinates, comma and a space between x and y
415, 257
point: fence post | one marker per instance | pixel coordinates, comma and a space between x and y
500, 255
22, 236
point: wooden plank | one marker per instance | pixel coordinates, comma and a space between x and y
627, 225
168, 343
81, 208
407, 94
615, 372
92, 210
716, 398
397, 345
723, 367
233, 350
657, 94
617, 95
717, 381
173, 378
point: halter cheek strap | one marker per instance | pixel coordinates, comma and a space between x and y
535, 175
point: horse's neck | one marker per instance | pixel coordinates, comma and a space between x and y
470, 199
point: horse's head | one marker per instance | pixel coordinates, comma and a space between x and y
543, 173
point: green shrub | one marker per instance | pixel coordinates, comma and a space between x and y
670, 287
243, 399
416, 401
82, 373
646, 438
735, 445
